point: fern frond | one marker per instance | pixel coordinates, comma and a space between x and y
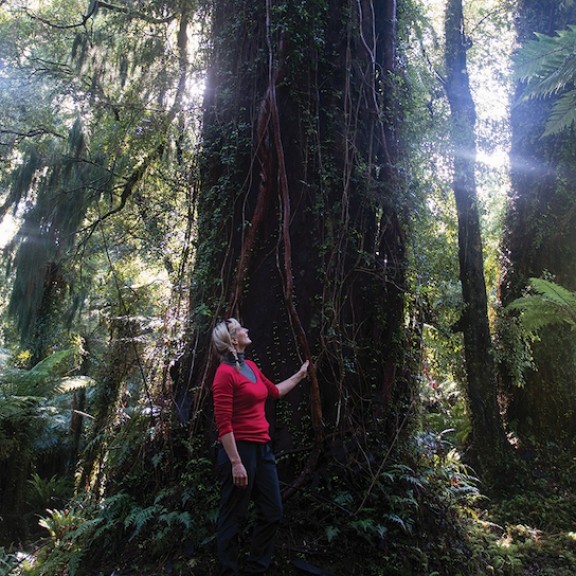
18, 407
543, 57
553, 292
414, 480
102, 529
395, 519
548, 66
165, 494
139, 517
51, 364
171, 518
41, 380
552, 304
85, 529
563, 114
402, 468
118, 506
537, 57
71, 383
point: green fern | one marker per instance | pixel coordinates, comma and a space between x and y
8, 563
71, 383
548, 61
406, 526
548, 66
28, 415
549, 304
44, 379
173, 518
63, 551
562, 115
18, 407
139, 517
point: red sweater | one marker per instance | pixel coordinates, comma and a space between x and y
239, 403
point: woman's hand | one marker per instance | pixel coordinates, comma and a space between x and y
287, 385
239, 475
303, 372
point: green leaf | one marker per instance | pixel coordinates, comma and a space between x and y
550, 304
331, 532
548, 66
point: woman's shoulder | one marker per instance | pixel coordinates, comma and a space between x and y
224, 370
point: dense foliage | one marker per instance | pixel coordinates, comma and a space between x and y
313, 183
547, 65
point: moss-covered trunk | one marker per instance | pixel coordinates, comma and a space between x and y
540, 239
298, 214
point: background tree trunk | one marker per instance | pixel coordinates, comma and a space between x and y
540, 238
488, 438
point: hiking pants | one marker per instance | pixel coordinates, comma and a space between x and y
264, 490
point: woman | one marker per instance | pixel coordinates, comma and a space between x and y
245, 459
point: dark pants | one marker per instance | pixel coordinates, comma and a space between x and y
264, 489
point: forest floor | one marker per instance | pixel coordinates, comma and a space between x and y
535, 522
525, 529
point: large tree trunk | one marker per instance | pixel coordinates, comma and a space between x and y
540, 238
298, 230
488, 437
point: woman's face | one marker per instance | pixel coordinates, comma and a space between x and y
240, 339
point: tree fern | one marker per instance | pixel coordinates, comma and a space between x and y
31, 424
548, 304
43, 379
562, 115
548, 66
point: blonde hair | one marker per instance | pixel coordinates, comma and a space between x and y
222, 339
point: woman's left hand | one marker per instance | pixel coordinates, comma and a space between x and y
287, 385
303, 372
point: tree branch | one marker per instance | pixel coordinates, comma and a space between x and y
92, 10
31, 133
134, 13
81, 24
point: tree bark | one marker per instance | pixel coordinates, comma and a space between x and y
540, 239
488, 437
299, 233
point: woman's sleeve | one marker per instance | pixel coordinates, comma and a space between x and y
223, 394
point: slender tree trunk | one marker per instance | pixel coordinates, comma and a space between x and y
488, 437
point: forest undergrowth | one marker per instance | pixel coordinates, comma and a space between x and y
428, 517
413, 508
